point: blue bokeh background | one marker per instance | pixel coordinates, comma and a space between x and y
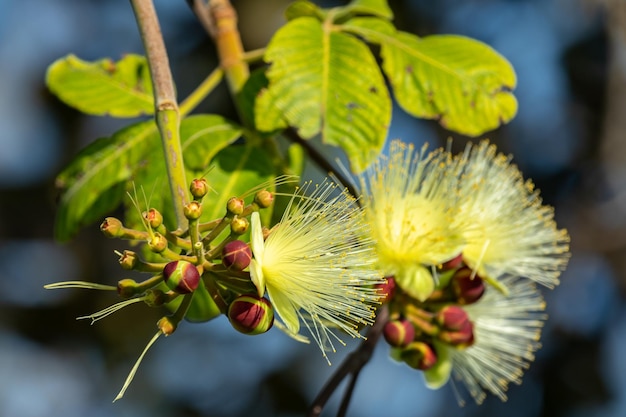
52, 365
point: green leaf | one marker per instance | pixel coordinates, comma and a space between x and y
203, 136
266, 117
90, 186
462, 82
303, 8
235, 171
439, 374
372, 7
120, 89
327, 82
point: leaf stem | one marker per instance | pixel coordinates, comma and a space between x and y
193, 99
166, 107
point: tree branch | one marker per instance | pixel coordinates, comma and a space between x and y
166, 107
352, 365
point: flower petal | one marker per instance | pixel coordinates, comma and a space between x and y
257, 277
285, 309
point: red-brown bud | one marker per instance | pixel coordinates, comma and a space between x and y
453, 263
452, 317
399, 333
462, 337
387, 290
250, 314
236, 255
181, 276
467, 286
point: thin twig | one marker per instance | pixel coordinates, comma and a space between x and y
201, 9
352, 365
320, 160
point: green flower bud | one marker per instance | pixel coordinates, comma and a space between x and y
112, 227
199, 188
419, 355
235, 206
127, 287
236, 255
239, 225
467, 289
264, 198
193, 210
250, 314
399, 333
153, 217
128, 260
181, 276
387, 290
158, 243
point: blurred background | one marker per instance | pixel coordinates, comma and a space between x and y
569, 136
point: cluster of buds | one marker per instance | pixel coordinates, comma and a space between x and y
416, 328
198, 273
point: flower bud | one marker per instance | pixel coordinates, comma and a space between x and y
264, 198
167, 325
157, 243
452, 317
181, 276
235, 205
128, 260
236, 255
250, 314
127, 287
192, 210
387, 290
453, 263
467, 289
239, 225
399, 333
198, 188
463, 337
419, 355
153, 217
112, 227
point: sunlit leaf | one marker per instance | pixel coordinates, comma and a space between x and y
462, 82
373, 7
327, 82
203, 136
303, 8
266, 117
120, 89
90, 185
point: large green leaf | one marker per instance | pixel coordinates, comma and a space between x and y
203, 136
301, 8
327, 82
374, 7
91, 185
120, 89
272, 118
462, 82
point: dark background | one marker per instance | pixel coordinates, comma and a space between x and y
570, 57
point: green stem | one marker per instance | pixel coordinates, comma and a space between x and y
166, 107
200, 93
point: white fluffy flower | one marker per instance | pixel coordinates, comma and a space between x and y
318, 265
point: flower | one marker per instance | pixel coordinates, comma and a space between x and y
317, 265
506, 332
410, 204
507, 230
